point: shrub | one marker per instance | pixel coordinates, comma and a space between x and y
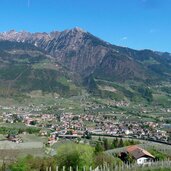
75, 155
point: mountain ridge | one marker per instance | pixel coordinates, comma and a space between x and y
88, 58
76, 42
54, 32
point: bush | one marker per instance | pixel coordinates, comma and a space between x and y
75, 155
33, 163
103, 159
158, 155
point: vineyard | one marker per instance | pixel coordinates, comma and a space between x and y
156, 166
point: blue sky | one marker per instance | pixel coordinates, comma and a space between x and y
137, 24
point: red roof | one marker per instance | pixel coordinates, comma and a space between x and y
138, 152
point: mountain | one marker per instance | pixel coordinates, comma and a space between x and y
85, 58
24, 68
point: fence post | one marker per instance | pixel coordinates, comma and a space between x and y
122, 167
116, 168
108, 168
56, 168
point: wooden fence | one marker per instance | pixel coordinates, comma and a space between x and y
123, 167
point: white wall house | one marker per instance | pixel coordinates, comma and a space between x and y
140, 155
143, 160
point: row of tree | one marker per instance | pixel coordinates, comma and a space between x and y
8, 130
104, 144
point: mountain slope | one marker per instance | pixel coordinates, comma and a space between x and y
25, 68
82, 57
83, 53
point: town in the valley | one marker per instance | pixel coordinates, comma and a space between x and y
70, 125
33, 131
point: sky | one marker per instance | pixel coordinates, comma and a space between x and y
138, 24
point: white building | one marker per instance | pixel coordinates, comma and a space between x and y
140, 155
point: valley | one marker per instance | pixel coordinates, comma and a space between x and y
71, 87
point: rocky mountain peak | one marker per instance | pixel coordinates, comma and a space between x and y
78, 29
81, 52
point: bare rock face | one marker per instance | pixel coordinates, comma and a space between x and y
72, 48
82, 53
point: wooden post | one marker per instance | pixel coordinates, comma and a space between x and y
108, 167
104, 167
116, 168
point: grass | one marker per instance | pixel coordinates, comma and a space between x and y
45, 64
162, 99
18, 153
32, 145
14, 125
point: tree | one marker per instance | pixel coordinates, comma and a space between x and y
75, 155
146, 93
130, 159
21, 165
126, 157
106, 143
102, 159
33, 163
121, 144
99, 139
158, 155
98, 148
114, 143
87, 135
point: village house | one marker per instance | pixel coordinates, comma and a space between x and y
14, 138
140, 155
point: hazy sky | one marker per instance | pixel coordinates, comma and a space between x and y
137, 24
